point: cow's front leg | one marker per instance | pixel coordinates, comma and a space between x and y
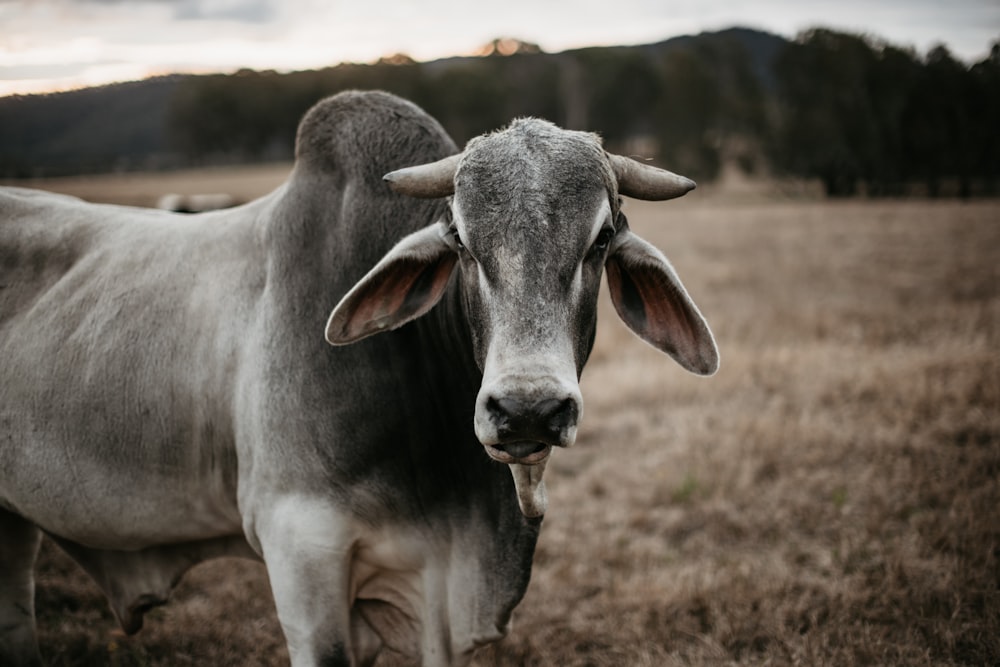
19, 540
306, 545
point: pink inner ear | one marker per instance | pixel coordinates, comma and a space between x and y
385, 295
658, 311
668, 322
405, 290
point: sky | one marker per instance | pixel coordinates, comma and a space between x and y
49, 45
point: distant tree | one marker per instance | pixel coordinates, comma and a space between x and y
107, 128
984, 110
533, 87
226, 118
857, 111
890, 82
938, 124
828, 125
252, 116
620, 88
712, 108
468, 99
689, 114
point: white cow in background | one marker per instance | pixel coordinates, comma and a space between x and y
195, 203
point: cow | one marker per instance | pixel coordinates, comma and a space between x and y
357, 380
195, 203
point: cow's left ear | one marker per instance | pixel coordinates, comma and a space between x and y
404, 285
651, 300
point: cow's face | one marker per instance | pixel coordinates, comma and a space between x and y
533, 217
534, 220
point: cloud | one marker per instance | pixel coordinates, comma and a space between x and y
41, 71
243, 11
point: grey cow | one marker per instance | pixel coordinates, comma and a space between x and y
167, 395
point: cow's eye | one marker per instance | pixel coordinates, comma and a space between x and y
603, 239
456, 239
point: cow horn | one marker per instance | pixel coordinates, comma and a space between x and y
427, 181
643, 181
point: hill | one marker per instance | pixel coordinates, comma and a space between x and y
141, 125
853, 111
116, 127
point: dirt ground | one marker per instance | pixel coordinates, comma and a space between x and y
830, 497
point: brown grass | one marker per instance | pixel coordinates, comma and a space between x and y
830, 497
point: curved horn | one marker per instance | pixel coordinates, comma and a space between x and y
642, 181
427, 181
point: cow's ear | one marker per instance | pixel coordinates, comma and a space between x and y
404, 285
651, 300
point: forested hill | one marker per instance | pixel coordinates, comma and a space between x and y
853, 111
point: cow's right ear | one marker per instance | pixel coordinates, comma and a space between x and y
651, 300
404, 285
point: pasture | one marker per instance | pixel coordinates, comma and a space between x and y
831, 496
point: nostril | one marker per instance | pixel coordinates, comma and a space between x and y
557, 414
500, 410
539, 421
508, 416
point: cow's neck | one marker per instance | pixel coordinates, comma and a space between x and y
321, 240
449, 340
416, 469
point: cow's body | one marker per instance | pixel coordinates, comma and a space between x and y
167, 396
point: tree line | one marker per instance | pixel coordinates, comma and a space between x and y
854, 111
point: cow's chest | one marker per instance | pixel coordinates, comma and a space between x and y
422, 593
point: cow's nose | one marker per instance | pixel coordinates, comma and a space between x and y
520, 422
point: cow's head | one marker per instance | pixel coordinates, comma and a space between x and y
535, 218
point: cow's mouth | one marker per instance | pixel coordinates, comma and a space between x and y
525, 452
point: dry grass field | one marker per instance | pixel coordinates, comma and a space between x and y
830, 497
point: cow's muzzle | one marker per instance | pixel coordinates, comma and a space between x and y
524, 431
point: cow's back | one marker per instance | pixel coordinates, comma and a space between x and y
116, 334
41, 236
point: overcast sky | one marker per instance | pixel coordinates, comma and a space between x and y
60, 44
